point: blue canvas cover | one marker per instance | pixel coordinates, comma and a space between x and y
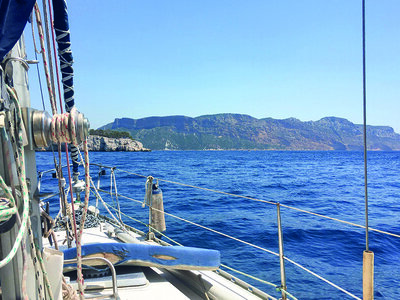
176, 257
61, 27
13, 17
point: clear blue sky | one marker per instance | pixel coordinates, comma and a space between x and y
264, 58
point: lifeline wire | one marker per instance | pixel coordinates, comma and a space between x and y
244, 242
263, 201
222, 265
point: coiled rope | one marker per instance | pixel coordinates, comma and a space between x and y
62, 128
7, 205
25, 223
19, 156
82, 223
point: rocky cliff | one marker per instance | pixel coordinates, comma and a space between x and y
237, 131
101, 143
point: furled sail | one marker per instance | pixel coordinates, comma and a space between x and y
13, 18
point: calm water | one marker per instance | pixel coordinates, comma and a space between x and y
329, 183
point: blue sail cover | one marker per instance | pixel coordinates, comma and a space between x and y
13, 17
61, 27
176, 257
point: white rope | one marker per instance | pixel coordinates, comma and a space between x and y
116, 196
25, 222
106, 206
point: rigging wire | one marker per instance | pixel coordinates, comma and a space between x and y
47, 30
45, 62
365, 128
52, 99
62, 111
74, 142
37, 65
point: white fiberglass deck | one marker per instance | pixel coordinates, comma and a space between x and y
157, 283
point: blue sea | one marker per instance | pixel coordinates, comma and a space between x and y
328, 183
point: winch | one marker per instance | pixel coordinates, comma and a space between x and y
70, 127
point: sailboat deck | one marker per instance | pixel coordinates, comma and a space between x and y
153, 283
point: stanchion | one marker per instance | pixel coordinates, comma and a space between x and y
281, 257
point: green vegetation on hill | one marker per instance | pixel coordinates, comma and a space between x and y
236, 131
116, 134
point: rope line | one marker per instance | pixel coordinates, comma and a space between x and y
82, 223
25, 223
50, 61
62, 128
25, 265
105, 205
19, 156
45, 63
145, 224
7, 205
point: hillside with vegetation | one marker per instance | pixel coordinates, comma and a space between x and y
115, 134
238, 131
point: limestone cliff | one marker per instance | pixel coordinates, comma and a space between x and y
236, 131
101, 143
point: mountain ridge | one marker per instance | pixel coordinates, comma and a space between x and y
241, 131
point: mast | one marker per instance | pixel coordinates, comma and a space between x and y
16, 67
